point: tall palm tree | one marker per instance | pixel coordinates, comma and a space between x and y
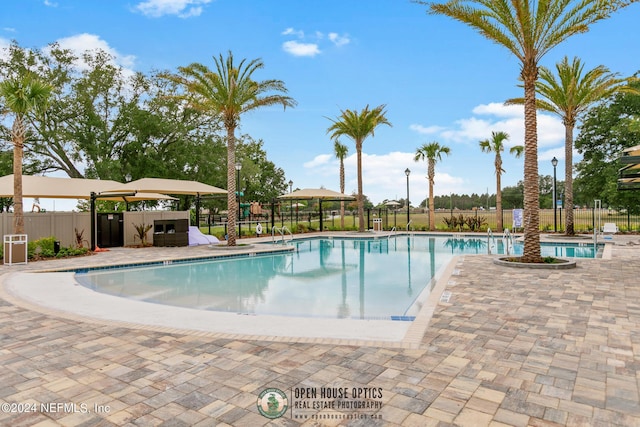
529, 30
433, 153
22, 96
228, 92
341, 152
358, 125
569, 95
496, 145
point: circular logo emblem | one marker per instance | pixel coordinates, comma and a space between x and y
273, 403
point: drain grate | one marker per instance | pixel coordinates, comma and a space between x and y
445, 296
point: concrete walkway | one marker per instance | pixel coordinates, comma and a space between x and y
505, 346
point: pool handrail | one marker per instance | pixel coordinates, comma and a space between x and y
408, 224
280, 231
392, 231
508, 239
489, 237
285, 229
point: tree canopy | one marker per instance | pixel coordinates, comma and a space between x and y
106, 122
606, 130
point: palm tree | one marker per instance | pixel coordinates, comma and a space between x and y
22, 96
432, 152
341, 152
569, 96
496, 145
358, 125
529, 30
228, 92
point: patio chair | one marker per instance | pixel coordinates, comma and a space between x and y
609, 229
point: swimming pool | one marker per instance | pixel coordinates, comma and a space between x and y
329, 278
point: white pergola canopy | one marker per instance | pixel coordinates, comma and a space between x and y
81, 188
316, 193
169, 186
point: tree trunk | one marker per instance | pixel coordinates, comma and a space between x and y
499, 193
232, 206
568, 179
531, 252
18, 131
432, 214
360, 198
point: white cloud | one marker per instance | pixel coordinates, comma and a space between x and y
83, 42
300, 49
499, 117
339, 40
319, 160
4, 44
383, 176
499, 109
310, 48
50, 3
180, 8
291, 31
426, 130
9, 29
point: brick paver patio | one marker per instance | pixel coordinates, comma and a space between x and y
515, 347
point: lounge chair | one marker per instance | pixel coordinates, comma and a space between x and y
609, 229
197, 237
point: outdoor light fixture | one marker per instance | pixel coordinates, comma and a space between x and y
407, 172
238, 167
291, 203
554, 162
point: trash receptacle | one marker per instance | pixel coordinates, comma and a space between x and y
56, 247
377, 224
15, 249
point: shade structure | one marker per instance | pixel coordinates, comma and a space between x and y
392, 203
73, 188
56, 188
168, 186
315, 193
629, 174
134, 197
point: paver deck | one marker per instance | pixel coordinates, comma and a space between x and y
513, 347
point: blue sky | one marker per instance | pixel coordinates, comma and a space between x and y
440, 80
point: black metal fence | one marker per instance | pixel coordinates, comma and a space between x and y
300, 221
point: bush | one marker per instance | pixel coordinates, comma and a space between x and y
41, 247
44, 249
458, 223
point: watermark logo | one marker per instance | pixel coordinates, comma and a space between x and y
272, 403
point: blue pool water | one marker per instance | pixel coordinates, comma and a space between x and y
331, 278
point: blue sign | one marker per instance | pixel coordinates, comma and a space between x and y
517, 218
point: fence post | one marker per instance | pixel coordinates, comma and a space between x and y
560, 224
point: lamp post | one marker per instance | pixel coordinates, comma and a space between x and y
407, 172
291, 204
554, 162
238, 167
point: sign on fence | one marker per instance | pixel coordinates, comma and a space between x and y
517, 218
